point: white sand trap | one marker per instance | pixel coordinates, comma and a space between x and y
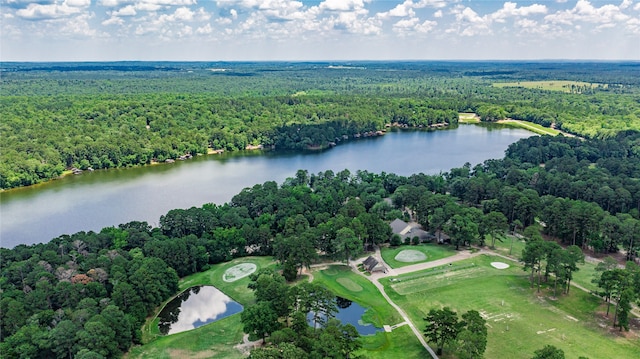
499, 265
410, 255
238, 272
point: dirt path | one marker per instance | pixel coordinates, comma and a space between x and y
246, 345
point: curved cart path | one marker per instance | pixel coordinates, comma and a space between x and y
375, 279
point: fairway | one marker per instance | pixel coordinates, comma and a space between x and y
519, 321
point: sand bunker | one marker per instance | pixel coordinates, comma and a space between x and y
499, 265
238, 272
410, 255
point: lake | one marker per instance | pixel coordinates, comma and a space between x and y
94, 200
194, 308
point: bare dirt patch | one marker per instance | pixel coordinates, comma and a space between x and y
239, 271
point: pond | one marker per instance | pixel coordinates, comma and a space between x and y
194, 308
351, 313
94, 200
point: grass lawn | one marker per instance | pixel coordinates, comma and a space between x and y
215, 340
212, 340
584, 276
519, 320
534, 127
432, 251
505, 247
553, 85
401, 343
468, 117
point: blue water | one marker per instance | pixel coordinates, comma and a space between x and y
195, 307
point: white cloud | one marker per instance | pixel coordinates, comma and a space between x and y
114, 20
510, 9
401, 10
626, 3
204, 30
469, 23
78, 3
79, 26
585, 12
341, 5
636, 7
413, 25
437, 14
36, 11
128, 10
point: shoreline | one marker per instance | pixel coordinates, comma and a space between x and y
248, 148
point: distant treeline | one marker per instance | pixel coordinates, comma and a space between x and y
61, 116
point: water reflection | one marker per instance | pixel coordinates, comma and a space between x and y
196, 307
350, 313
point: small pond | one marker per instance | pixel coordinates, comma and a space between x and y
351, 313
195, 307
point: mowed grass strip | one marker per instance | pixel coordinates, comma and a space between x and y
519, 320
432, 251
530, 126
218, 337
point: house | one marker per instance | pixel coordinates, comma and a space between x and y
372, 265
409, 230
400, 227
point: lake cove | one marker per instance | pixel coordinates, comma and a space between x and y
94, 200
195, 307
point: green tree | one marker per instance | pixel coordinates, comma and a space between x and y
549, 352
462, 229
624, 307
493, 224
442, 327
472, 339
347, 244
260, 320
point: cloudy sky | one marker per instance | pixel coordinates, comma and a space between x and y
210, 30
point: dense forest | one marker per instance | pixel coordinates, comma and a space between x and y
60, 116
70, 296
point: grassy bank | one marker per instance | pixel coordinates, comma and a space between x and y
212, 340
519, 320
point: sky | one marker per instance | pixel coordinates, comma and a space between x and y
296, 30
